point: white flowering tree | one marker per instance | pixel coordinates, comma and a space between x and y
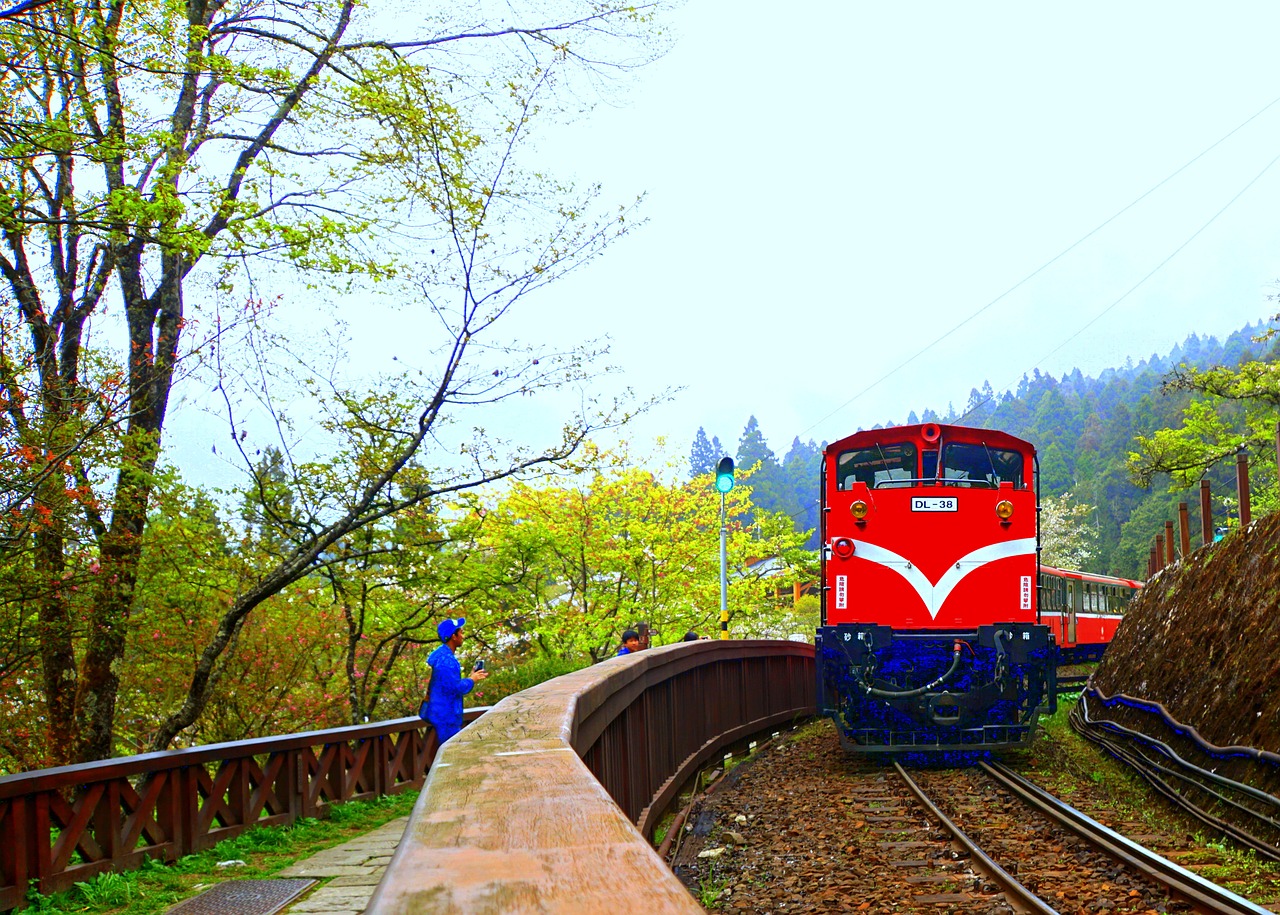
1066, 532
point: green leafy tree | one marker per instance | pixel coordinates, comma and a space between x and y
391, 585
623, 547
149, 146
1232, 409
801, 468
769, 484
1055, 470
268, 505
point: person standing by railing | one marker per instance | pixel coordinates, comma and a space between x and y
443, 705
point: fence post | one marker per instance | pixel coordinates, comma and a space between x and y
1170, 551
1184, 528
1206, 514
1159, 552
1242, 484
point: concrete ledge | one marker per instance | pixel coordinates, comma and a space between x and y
512, 820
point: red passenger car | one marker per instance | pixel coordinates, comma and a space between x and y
930, 638
1082, 610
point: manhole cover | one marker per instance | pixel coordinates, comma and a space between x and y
243, 897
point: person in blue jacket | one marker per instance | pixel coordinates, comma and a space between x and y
630, 642
447, 686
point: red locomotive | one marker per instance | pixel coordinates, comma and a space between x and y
932, 637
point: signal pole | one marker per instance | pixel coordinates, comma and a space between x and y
724, 483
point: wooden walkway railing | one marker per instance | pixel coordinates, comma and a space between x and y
534, 808
60, 826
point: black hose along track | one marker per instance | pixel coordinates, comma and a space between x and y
1246, 814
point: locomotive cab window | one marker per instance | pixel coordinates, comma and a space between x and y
979, 466
883, 466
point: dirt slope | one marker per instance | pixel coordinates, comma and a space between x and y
1203, 639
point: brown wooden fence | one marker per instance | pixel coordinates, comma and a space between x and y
60, 826
547, 800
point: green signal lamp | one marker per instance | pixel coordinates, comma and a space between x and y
724, 475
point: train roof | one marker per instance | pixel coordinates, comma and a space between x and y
945, 433
1090, 576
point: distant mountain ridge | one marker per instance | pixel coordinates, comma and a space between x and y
1083, 429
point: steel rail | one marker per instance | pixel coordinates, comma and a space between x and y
1180, 881
1016, 894
1185, 730
1147, 770
1139, 737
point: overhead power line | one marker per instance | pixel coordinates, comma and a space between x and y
1154, 270
924, 349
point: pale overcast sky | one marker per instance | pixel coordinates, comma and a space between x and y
835, 185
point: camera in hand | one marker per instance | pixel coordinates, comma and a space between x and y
478, 666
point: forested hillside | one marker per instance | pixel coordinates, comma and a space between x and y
1085, 430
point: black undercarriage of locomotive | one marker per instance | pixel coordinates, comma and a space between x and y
893, 691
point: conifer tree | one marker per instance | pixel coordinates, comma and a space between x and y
703, 456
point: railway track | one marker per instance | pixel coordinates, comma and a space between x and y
806, 829
1060, 856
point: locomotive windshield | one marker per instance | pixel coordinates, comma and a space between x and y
881, 465
981, 466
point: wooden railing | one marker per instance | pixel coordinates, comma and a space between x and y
548, 802
551, 796
60, 826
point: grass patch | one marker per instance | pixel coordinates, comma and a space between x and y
155, 887
1067, 762
711, 888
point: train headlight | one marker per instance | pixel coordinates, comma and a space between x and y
842, 547
859, 510
1004, 509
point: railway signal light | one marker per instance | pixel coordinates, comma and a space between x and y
724, 483
724, 475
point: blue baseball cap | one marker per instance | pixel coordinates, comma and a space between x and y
447, 628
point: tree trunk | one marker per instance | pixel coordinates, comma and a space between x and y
57, 654
154, 324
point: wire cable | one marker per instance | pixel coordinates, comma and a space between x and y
912, 358
1154, 270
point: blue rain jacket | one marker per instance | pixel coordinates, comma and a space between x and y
443, 707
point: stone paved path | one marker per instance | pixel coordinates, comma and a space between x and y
355, 869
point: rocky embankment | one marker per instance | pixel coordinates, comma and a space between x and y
1203, 640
